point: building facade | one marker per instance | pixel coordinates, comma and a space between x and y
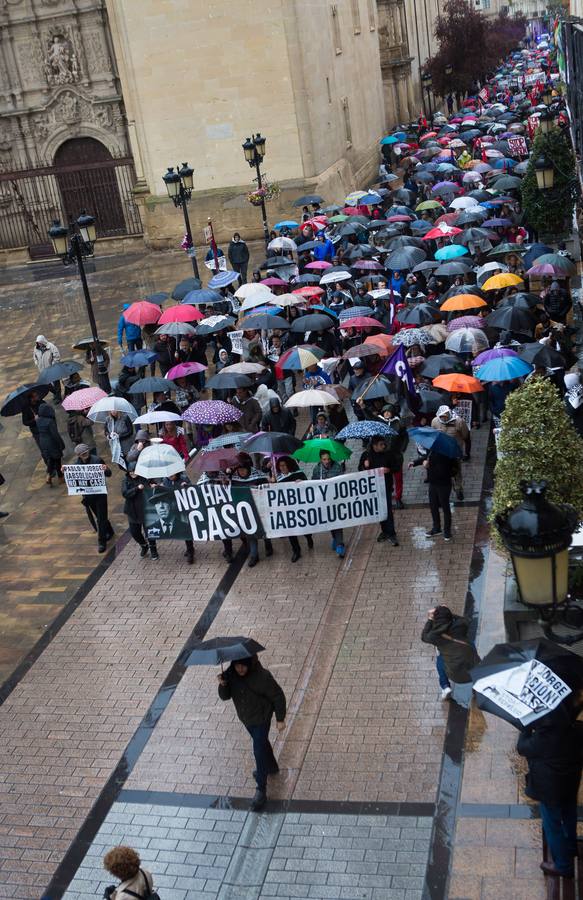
99, 97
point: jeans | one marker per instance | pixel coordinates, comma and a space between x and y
440, 666
136, 344
337, 538
137, 532
388, 526
560, 828
439, 499
265, 761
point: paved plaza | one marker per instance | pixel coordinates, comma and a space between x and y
108, 735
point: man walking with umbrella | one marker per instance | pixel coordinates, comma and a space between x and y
257, 697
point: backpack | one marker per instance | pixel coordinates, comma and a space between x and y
149, 895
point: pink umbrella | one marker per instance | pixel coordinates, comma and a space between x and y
462, 322
361, 322
142, 313
274, 282
368, 265
319, 264
180, 313
83, 399
182, 370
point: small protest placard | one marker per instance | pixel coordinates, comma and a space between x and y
88, 479
527, 692
236, 338
463, 409
517, 146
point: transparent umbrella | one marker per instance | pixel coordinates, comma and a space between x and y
100, 410
467, 340
159, 461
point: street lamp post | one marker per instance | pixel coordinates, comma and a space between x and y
254, 150
73, 246
545, 173
179, 185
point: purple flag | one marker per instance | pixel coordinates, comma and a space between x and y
398, 365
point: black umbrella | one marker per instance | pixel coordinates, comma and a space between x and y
521, 300
86, 343
472, 215
541, 355
376, 224
308, 245
431, 400
455, 267
157, 297
151, 385
407, 240
272, 442
440, 364
59, 370
373, 389
307, 200
220, 323
18, 399
312, 322
422, 314
276, 262
223, 649
361, 251
404, 195
350, 228
533, 252
401, 210
308, 278
509, 318
228, 380
427, 266
530, 692
475, 235
405, 258
183, 287
264, 322
332, 209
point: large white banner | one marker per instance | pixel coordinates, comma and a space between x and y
88, 479
527, 692
302, 507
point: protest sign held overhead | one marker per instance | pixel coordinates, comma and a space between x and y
88, 479
527, 692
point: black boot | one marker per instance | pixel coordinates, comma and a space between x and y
259, 800
144, 550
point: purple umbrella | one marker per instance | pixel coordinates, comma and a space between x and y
465, 322
496, 353
446, 187
211, 412
183, 370
496, 223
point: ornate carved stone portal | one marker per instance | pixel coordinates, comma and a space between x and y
395, 59
58, 80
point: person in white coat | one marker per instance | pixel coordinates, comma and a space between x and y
46, 354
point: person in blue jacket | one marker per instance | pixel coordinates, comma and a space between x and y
133, 332
324, 249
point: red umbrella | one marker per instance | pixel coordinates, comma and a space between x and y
399, 218
361, 322
442, 231
317, 223
447, 218
427, 135
180, 313
142, 313
309, 291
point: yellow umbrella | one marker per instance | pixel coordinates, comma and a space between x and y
503, 280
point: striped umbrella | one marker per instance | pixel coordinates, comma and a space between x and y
299, 358
223, 279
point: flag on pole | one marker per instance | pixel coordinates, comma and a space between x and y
398, 365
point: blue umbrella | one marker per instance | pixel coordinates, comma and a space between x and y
366, 429
451, 251
204, 295
421, 226
157, 297
432, 439
533, 252
505, 368
389, 139
135, 359
287, 223
353, 311
371, 198
223, 279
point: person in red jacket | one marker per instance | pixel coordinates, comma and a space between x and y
170, 435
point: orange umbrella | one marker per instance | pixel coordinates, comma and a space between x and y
180, 313
381, 340
462, 301
458, 384
503, 280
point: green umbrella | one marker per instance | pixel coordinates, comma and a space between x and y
311, 450
339, 218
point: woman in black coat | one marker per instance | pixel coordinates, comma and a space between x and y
132, 490
553, 747
50, 442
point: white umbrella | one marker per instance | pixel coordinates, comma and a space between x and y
152, 418
311, 397
244, 368
159, 461
286, 300
256, 299
486, 270
100, 410
282, 243
468, 177
463, 202
467, 340
246, 290
332, 277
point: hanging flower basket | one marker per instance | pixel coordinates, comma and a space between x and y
264, 194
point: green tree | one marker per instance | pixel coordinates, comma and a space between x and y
538, 442
550, 212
